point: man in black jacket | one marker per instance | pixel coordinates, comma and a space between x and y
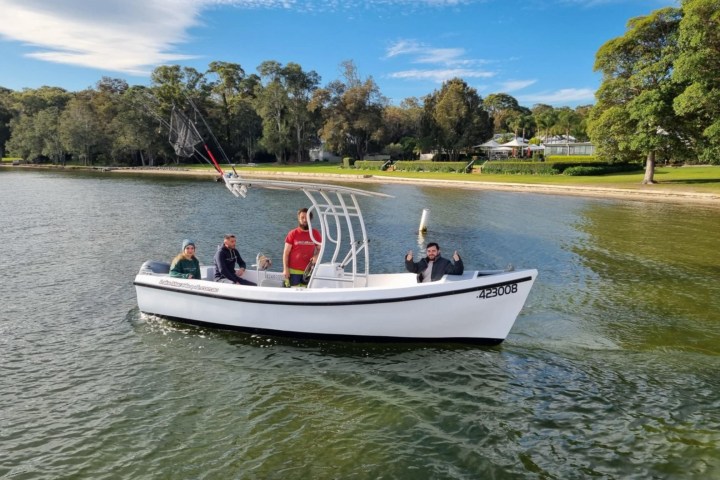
433, 267
225, 259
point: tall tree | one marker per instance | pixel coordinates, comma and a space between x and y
6, 114
454, 118
698, 66
80, 128
501, 107
634, 114
352, 110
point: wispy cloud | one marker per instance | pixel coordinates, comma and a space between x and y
440, 75
133, 36
565, 95
452, 62
514, 85
120, 35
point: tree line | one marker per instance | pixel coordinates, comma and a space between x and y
276, 114
659, 99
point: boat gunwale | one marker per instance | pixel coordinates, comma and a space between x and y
303, 300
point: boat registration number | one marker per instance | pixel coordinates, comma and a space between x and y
492, 292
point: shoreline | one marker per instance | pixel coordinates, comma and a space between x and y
637, 193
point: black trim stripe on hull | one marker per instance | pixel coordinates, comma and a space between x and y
340, 303
337, 337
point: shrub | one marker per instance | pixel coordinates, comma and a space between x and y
524, 168
601, 169
428, 166
369, 164
348, 162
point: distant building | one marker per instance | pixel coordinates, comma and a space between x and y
319, 154
569, 148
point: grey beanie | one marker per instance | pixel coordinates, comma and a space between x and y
187, 242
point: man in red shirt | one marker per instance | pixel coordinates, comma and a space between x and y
300, 250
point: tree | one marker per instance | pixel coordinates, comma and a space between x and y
80, 128
6, 114
401, 126
501, 108
300, 86
698, 67
634, 115
352, 112
272, 106
454, 118
224, 90
545, 118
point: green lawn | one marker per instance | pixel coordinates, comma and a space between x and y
696, 179
703, 179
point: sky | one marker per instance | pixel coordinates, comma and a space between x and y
538, 51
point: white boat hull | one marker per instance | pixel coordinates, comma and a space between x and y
472, 307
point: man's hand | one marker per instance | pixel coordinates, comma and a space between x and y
240, 272
409, 256
456, 257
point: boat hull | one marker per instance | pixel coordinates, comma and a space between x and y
469, 308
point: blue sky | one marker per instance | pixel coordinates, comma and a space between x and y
537, 51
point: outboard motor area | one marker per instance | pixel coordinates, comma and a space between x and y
154, 267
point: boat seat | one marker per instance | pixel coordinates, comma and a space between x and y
156, 267
208, 272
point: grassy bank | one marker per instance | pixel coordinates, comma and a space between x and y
702, 179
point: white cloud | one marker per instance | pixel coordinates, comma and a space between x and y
452, 59
127, 36
440, 75
565, 95
514, 85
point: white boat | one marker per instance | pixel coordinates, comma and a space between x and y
343, 299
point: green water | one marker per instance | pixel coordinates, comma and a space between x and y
611, 370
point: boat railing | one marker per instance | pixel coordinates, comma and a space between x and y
344, 244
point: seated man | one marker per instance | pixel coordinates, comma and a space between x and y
433, 267
225, 259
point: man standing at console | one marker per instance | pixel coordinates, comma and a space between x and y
300, 249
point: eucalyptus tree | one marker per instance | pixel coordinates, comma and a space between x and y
352, 113
173, 84
634, 116
454, 118
135, 135
272, 104
402, 126
698, 67
300, 87
6, 114
225, 88
30, 101
501, 107
25, 140
81, 128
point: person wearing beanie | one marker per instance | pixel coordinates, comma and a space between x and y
186, 264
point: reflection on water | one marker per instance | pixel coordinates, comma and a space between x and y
610, 370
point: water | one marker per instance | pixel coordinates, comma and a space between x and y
610, 371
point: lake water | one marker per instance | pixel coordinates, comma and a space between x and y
611, 370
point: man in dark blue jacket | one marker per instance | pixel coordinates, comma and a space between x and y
225, 259
433, 267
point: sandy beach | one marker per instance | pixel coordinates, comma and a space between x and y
637, 192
